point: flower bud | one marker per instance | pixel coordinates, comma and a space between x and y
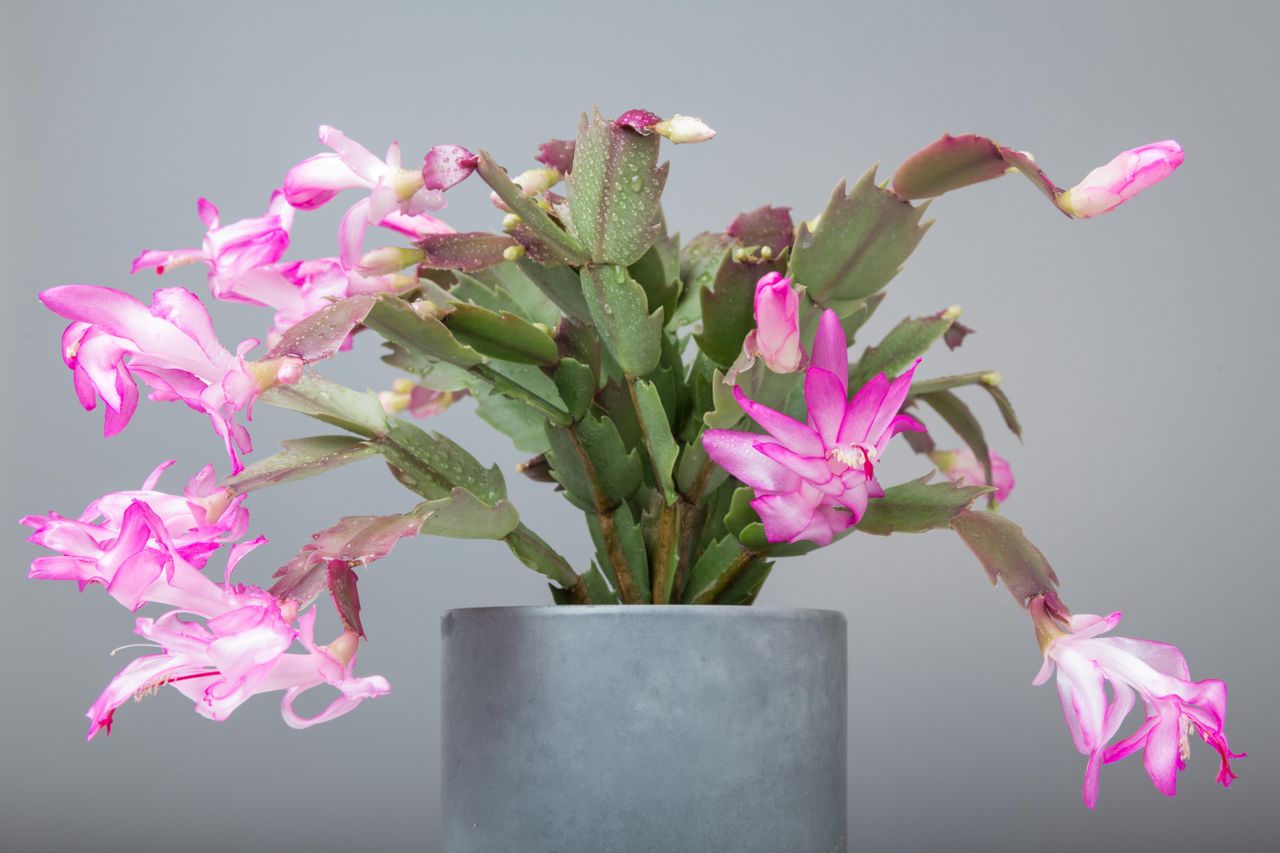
682, 129
777, 333
388, 260
532, 182
1131, 172
446, 166
962, 467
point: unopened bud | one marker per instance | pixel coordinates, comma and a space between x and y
684, 129
953, 313
512, 253
427, 310
537, 181
993, 378
511, 221
388, 260
270, 372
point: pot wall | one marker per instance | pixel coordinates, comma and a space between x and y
644, 728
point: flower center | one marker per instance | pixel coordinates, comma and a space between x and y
855, 456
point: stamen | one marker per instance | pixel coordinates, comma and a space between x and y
135, 646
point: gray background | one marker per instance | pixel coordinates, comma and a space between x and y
1138, 349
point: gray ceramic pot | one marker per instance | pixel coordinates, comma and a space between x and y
650, 728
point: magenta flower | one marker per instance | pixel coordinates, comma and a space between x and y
230, 251
962, 466
113, 339
1157, 672
1131, 172
813, 480
776, 337
95, 546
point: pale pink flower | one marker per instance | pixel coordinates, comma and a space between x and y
316, 180
1157, 673
1131, 172
962, 466
171, 346
776, 337
230, 251
198, 522
241, 649
813, 480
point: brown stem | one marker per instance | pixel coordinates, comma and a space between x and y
731, 573
604, 511
665, 540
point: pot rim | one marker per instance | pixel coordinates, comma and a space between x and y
656, 610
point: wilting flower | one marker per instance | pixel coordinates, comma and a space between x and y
962, 466
171, 346
94, 546
407, 395
1174, 705
813, 480
776, 337
230, 251
1131, 172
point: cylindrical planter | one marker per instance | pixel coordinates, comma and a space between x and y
646, 728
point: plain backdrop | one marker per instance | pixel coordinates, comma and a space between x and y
1139, 349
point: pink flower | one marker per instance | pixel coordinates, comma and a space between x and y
241, 649
776, 337
316, 180
1131, 172
114, 338
962, 466
94, 546
1157, 672
813, 480
230, 251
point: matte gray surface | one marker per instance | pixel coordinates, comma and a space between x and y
644, 730
1139, 348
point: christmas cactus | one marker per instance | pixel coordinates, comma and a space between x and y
696, 401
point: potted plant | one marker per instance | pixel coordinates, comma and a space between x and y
697, 402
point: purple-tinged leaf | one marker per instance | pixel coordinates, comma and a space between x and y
466, 251
949, 163
920, 442
346, 597
301, 457
764, 226
565, 248
952, 162
1006, 553
446, 166
955, 335
355, 540
321, 335
557, 154
641, 121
